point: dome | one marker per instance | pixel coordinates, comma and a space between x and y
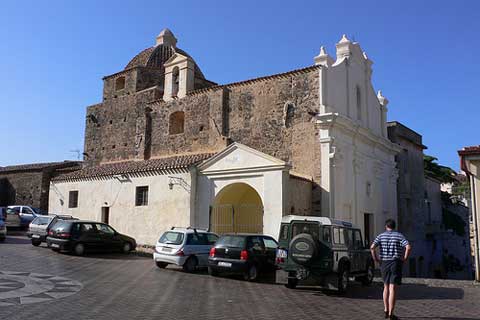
156, 56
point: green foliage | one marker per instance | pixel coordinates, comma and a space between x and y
437, 171
453, 221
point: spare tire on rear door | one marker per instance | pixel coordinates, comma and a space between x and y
303, 248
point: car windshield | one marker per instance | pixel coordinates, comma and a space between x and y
231, 241
41, 221
171, 237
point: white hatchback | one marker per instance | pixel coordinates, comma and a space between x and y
185, 247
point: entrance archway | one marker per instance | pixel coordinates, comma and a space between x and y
237, 208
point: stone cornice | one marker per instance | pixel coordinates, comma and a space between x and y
329, 120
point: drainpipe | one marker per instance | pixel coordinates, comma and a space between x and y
476, 224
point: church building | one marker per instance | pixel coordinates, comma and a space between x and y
168, 147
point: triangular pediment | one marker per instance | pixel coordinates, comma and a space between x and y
175, 59
240, 157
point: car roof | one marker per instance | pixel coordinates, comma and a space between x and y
189, 230
246, 235
322, 220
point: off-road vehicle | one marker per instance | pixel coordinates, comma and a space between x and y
321, 251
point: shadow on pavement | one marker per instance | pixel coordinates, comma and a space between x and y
440, 318
405, 292
16, 240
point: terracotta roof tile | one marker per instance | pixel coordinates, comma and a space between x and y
40, 166
473, 150
152, 165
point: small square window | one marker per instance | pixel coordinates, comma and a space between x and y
73, 199
141, 196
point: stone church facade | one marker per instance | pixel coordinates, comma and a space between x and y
168, 147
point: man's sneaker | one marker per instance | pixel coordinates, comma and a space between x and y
393, 317
386, 314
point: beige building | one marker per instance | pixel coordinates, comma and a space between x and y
470, 164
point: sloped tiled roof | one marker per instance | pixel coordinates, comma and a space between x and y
40, 166
474, 150
125, 167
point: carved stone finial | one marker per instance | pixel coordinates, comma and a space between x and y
383, 101
323, 58
344, 39
166, 38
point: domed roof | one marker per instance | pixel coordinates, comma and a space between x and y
157, 55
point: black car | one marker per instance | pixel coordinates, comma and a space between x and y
245, 254
78, 237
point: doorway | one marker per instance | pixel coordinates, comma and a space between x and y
368, 228
106, 215
237, 208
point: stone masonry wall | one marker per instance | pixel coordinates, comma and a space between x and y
22, 188
276, 116
112, 132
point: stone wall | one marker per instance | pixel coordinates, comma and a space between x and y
22, 188
115, 129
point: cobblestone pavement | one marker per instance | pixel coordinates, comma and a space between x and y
115, 286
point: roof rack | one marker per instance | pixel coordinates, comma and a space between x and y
189, 228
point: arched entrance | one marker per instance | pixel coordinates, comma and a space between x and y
237, 208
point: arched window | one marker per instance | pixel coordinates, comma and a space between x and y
119, 83
176, 123
175, 81
359, 103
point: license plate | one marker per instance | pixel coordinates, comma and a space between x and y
224, 264
36, 236
54, 245
282, 253
167, 249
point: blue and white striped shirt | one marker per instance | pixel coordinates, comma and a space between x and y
392, 245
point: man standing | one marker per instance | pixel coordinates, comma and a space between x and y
394, 250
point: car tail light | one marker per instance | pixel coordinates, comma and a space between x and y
280, 260
244, 255
50, 233
180, 253
63, 235
212, 252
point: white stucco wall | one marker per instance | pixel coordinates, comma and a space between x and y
239, 164
166, 208
354, 149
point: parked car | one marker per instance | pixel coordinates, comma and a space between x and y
245, 254
78, 237
324, 251
41, 225
3, 230
21, 216
3, 213
13, 217
185, 247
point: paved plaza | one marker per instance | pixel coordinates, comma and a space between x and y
37, 283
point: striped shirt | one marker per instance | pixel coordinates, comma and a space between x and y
392, 245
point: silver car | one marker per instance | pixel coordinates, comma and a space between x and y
3, 230
185, 247
39, 227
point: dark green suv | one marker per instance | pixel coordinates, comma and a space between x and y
321, 251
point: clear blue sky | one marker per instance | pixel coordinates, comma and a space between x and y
53, 55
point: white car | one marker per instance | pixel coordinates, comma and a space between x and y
185, 247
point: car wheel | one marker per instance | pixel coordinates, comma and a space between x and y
212, 272
161, 265
291, 283
251, 274
127, 247
36, 243
190, 265
79, 249
368, 278
343, 277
